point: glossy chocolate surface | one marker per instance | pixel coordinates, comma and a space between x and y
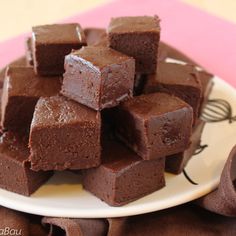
50, 45
64, 135
58, 34
154, 125
98, 77
22, 89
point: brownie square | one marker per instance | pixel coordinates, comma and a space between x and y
177, 162
137, 37
98, 77
50, 44
21, 91
96, 36
15, 173
123, 176
64, 135
154, 125
179, 80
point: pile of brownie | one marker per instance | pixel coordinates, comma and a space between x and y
117, 105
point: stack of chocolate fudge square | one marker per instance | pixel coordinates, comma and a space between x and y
117, 105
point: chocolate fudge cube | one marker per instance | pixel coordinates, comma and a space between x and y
50, 44
98, 77
64, 135
21, 91
154, 125
96, 36
15, 173
207, 85
137, 37
123, 176
177, 162
179, 80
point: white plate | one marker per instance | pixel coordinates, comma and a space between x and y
62, 196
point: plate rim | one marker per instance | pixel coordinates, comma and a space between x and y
111, 212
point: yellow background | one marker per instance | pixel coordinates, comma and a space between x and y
17, 16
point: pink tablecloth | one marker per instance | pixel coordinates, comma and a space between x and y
207, 39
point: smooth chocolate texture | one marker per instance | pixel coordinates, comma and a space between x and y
207, 85
179, 80
96, 36
98, 77
29, 52
22, 89
137, 37
76, 227
123, 176
64, 135
21, 61
51, 43
154, 125
176, 163
166, 51
16, 175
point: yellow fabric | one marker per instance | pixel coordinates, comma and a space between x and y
17, 16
